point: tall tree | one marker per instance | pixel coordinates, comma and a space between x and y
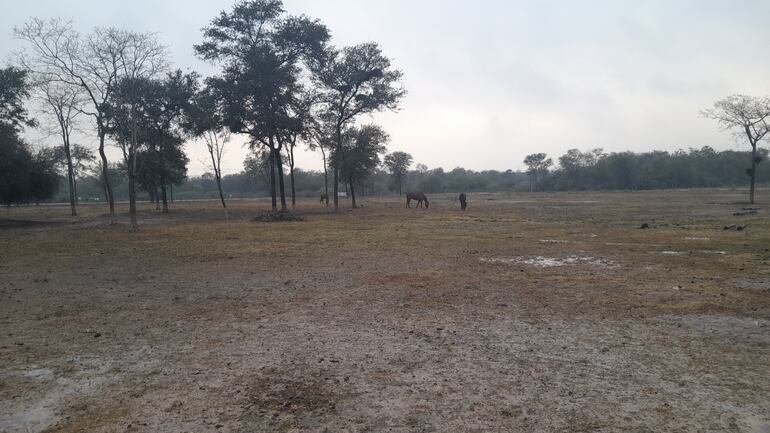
205, 120
398, 163
167, 103
354, 81
537, 163
299, 128
138, 65
63, 103
262, 50
749, 116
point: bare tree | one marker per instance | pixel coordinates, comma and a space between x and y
62, 102
215, 144
322, 139
746, 115
92, 63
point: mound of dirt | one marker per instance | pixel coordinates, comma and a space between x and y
278, 216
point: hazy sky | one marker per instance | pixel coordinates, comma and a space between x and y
491, 81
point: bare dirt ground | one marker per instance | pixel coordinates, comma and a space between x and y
527, 312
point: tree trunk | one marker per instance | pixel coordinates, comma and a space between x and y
65, 136
291, 174
352, 192
106, 174
753, 171
336, 167
70, 177
218, 177
163, 197
281, 186
133, 226
163, 180
326, 177
271, 163
222, 195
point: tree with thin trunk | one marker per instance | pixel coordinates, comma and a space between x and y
82, 160
299, 127
205, 120
263, 51
144, 59
92, 62
398, 163
62, 103
748, 116
320, 137
537, 164
354, 81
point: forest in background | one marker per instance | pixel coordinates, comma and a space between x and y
591, 170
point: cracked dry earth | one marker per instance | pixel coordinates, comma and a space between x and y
388, 319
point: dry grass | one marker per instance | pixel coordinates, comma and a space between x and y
390, 319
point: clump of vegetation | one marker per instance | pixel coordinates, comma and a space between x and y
278, 216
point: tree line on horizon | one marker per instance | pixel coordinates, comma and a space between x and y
575, 171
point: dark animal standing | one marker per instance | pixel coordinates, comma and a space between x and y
420, 197
324, 198
463, 201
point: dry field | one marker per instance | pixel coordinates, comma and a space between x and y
528, 312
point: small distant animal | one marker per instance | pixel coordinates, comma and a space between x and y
463, 201
324, 198
420, 197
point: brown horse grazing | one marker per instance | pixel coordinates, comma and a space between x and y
420, 197
463, 201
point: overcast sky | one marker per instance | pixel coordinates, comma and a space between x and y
492, 81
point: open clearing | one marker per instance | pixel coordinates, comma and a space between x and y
527, 312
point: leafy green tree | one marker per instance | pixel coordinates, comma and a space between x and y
262, 50
537, 164
352, 82
360, 154
749, 116
14, 89
159, 167
24, 177
398, 164
165, 104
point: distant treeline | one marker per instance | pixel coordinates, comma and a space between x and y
592, 170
